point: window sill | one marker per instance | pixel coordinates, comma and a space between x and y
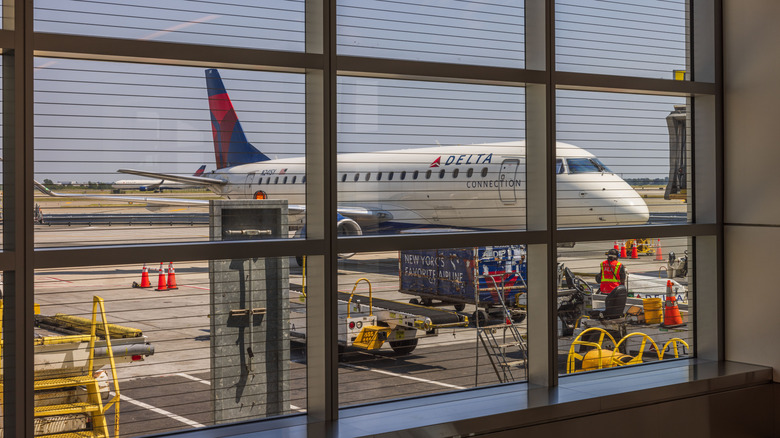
485, 410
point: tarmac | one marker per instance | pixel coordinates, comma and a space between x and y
171, 390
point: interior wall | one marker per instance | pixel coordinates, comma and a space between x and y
751, 39
741, 413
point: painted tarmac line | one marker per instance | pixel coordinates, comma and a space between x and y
59, 279
403, 376
199, 380
163, 412
206, 382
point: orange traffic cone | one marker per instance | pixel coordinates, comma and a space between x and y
145, 283
171, 277
623, 250
672, 317
634, 252
616, 247
161, 283
659, 257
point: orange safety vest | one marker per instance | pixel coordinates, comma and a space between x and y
610, 276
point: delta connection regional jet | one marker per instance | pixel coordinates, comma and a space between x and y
476, 186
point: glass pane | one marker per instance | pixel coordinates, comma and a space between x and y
452, 31
134, 153
409, 323
633, 308
629, 38
625, 159
214, 347
424, 155
276, 24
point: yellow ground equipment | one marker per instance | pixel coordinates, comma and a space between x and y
599, 357
67, 395
643, 246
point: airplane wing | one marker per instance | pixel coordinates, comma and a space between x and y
359, 214
150, 200
199, 180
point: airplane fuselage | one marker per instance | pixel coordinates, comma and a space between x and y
474, 186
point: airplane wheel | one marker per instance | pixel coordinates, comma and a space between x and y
460, 307
480, 315
517, 319
414, 301
427, 302
404, 347
299, 260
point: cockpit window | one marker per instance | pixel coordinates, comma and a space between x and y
559, 166
601, 165
585, 165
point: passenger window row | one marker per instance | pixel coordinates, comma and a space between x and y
389, 176
282, 180
378, 176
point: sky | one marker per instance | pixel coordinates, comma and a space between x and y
95, 117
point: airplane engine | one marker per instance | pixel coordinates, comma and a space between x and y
348, 227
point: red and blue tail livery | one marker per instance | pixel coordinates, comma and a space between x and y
231, 147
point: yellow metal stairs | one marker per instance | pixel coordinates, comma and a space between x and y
91, 405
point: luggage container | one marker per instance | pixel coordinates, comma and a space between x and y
461, 276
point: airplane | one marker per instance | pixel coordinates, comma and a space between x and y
149, 185
478, 186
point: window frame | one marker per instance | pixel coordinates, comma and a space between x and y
19, 259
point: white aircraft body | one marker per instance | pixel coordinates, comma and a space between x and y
475, 186
479, 186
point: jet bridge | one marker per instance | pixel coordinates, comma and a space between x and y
677, 121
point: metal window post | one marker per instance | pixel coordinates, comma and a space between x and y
540, 194
18, 221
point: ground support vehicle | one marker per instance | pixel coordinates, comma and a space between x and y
632, 325
465, 276
366, 322
595, 348
620, 328
74, 358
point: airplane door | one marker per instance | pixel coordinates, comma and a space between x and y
250, 179
507, 181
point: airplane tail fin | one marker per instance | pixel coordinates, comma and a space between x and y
230, 145
200, 171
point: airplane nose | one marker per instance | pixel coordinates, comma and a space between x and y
632, 211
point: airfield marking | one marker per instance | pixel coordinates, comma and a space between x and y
403, 376
60, 279
206, 382
199, 380
168, 414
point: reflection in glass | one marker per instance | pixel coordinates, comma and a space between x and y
417, 322
135, 145
453, 31
272, 24
625, 160
647, 38
624, 303
457, 149
211, 342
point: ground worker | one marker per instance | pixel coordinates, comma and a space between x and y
612, 273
